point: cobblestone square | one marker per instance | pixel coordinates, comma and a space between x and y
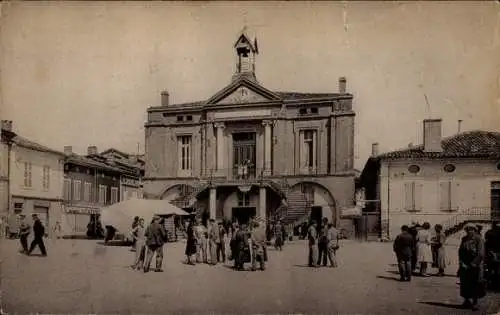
82, 276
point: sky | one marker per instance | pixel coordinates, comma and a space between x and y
84, 74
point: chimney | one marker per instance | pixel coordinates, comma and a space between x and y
374, 149
68, 149
342, 85
164, 98
6, 125
432, 135
92, 150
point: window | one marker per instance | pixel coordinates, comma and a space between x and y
449, 168
102, 194
27, 174
180, 118
185, 152
77, 189
164, 114
414, 169
314, 110
189, 118
302, 111
87, 192
243, 199
448, 196
308, 157
18, 207
46, 178
67, 189
413, 196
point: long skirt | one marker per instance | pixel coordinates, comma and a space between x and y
471, 283
424, 253
439, 257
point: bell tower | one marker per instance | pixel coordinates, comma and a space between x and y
245, 50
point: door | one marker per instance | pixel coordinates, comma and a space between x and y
317, 214
244, 151
242, 215
495, 200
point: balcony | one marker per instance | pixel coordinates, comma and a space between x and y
244, 172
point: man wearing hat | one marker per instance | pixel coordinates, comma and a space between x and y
155, 239
39, 232
24, 231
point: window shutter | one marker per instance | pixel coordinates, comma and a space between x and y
303, 150
315, 149
417, 195
444, 196
408, 196
454, 196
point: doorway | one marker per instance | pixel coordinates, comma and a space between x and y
316, 214
242, 215
495, 200
244, 151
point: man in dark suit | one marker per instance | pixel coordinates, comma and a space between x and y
39, 233
403, 245
156, 237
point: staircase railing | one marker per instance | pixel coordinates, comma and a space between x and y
457, 221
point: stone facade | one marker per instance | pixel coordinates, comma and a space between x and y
249, 147
451, 181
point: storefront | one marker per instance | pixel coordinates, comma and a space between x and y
76, 219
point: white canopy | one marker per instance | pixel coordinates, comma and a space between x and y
120, 215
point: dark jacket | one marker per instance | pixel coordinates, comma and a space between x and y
38, 229
155, 234
403, 245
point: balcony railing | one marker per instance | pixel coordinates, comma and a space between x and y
242, 172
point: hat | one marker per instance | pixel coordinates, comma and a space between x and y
470, 226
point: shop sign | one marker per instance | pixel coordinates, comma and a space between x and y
76, 210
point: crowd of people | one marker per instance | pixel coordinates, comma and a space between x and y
416, 247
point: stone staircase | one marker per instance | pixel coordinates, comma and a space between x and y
474, 215
187, 198
294, 209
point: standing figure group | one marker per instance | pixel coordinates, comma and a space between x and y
323, 244
148, 243
416, 245
205, 245
38, 233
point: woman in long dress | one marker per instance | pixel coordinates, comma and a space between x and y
190, 243
438, 251
471, 257
424, 252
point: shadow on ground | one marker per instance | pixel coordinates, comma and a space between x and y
443, 304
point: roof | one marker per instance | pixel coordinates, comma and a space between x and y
113, 150
82, 160
25, 143
299, 95
466, 144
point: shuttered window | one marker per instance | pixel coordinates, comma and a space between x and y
413, 196
448, 196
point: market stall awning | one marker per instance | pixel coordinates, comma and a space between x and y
120, 215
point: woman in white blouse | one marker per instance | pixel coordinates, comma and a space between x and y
424, 252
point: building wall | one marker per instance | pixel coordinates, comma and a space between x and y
36, 196
4, 180
471, 184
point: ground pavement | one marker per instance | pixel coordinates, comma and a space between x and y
82, 276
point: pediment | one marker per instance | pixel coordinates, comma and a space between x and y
243, 95
242, 91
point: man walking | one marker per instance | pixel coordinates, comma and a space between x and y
312, 235
155, 238
39, 232
24, 231
403, 245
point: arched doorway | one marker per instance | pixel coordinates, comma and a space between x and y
175, 191
320, 201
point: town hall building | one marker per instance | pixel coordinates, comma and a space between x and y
248, 151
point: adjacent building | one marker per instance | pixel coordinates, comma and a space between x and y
94, 181
32, 177
444, 181
250, 151
6, 136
